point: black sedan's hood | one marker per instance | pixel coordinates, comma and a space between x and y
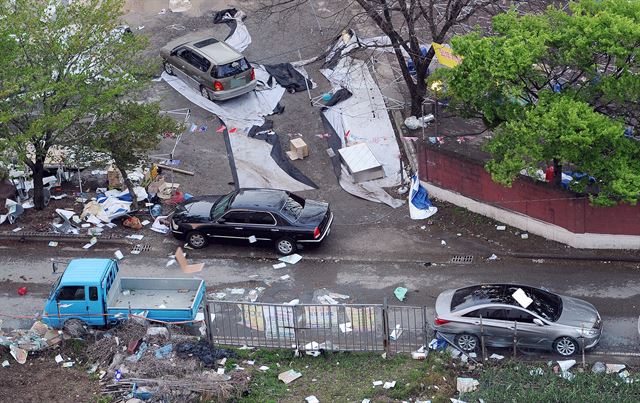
313, 213
197, 208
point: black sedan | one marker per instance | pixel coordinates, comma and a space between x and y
255, 215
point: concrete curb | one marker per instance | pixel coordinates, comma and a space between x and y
46, 237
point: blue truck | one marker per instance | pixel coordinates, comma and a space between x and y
91, 291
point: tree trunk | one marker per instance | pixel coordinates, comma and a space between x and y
129, 185
557, 172
38, 187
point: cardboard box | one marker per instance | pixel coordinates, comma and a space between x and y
299, 147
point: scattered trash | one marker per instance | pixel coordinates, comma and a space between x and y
624, 374
22, 291
501, 227
312, 399
345, 327
537, 371
537, 260
19, 354
263, 368
400, 293
492, 257
252, 239
419, 354
158, 225
293, 302
279, 265
5, 363
17, 229
164, 352
220, 371
524, 236
291, 259
59, 359
204, 350
133, 223
389, 385
137, 237
443, 242
613, 368
285, 277
439, 344
496, 357
397, 332
288, 376
567, 375
68, 364
565, 365
118, 255
465, 385
53, 244
599, 368
523, 299
117, 376
377, 383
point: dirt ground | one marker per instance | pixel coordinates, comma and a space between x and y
40, 379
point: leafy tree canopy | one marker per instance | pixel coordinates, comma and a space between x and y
560, 87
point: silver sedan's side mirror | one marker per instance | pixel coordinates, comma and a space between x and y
538, 322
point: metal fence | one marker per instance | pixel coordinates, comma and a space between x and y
344, 327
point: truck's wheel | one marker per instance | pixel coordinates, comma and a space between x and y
286, 246
75, 328
197, 240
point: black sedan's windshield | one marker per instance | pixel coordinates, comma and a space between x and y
221, 206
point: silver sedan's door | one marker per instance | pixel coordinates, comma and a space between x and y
529, 334
490, 323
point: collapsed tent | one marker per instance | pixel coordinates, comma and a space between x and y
361, 118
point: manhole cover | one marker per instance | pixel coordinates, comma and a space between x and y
462, 259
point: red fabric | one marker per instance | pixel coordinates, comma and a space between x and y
548, 174
22, 291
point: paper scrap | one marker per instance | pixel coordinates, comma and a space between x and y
252, 239
400, 293
465, 385
389, 385
135, 236
291, 259
53, 244
377, 383
522, 298
68, 364
18, 354
17, 229
285, 277
289, 376
59, 359
312, 399
220, 371
5, 363
345, 327
263, 368
279, 265
145, 222
88, 245
118, 255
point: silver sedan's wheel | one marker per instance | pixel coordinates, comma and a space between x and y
467, 342
197, 240
565, 346
285, 246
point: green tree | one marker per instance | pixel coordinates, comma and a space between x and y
558, 88
64, 64
127, 133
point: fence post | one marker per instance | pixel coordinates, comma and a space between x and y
385, 326
207, 320
295, 327
426, 328
484, 351
515, 337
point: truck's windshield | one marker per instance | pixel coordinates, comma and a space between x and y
54, 286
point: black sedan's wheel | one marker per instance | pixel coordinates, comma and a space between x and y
466, 342
168, 68
565, 346
286, 246
197, 240
205, 93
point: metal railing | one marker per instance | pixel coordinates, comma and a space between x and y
341, 327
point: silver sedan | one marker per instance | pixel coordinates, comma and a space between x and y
536, 317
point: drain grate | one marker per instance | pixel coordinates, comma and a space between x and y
462, 259
140, 248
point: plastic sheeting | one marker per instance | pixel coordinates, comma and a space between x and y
363, 118
289, 77
419, 204
239, 37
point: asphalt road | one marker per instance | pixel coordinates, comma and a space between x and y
612, 288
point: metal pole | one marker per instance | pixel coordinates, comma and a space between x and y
436, 120
582, 344
313, 10
385, 326
484, 352
515, 337
422, 125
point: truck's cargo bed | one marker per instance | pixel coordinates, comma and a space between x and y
153, 293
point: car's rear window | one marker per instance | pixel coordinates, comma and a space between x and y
545, 304
231, 69
292, 208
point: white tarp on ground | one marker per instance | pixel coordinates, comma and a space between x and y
241, 112
365, 118
240, 39
256, 168
254, 165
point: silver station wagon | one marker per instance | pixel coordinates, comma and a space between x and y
211, 67
539, 318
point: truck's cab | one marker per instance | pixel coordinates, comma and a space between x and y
81, 293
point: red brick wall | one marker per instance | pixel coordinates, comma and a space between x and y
536, 199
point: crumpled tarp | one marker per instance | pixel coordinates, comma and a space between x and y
239, 37
419, 204
289, 77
